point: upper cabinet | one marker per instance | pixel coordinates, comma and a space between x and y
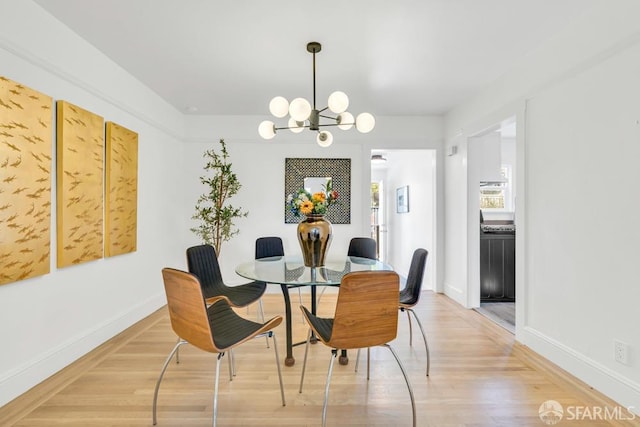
490, 157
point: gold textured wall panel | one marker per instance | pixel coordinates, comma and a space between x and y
79, 172
122, 190
25, 182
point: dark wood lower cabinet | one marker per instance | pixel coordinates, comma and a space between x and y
497, 267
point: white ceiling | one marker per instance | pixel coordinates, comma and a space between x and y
407, 57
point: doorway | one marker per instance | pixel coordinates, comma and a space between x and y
402, 229
492, 226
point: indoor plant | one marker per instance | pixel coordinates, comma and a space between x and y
213, 211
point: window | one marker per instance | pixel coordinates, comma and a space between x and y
497, 196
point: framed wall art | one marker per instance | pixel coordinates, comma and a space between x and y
402, 199
80, 176
121, 198
26, 118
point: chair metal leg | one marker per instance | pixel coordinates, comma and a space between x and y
261, 319
424, 336
304, 364
334, 354
275, 347
368, 361
232, 365
406, 379
324, 288
164, 368
215, 389
410, 328
178, 353
300, 299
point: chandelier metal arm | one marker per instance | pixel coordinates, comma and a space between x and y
308, 126
328, 117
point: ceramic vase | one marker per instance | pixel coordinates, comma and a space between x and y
314, 235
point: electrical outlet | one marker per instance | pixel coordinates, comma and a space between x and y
621, 352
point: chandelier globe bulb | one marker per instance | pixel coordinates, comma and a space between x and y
279, 106
338, 102
324, 138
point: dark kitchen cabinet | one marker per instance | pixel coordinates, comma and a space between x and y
497, 267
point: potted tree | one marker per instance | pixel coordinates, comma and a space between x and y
215, 215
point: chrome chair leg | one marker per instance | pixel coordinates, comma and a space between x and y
275, 347
368, 361
300, 299
261, 318
334, 354
410, 327
232, 366
164, 368
406, 379
215, 389
304, 364
178, 353
424, 336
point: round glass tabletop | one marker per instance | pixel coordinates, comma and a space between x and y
291, 271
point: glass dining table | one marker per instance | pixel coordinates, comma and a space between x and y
290, 272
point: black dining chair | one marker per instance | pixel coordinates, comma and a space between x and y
410, 294
363, 247
269, 247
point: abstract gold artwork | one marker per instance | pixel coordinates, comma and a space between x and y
122, 190
80, 156
25, 182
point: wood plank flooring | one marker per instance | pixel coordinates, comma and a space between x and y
479, 378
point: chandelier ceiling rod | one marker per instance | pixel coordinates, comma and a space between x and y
314, 47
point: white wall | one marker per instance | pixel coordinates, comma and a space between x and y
415, 229
577, 150
49, 321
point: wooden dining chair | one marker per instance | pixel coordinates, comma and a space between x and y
366, 316
361, 247
202, 261
215, 328
408, 298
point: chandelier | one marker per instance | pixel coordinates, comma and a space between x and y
303, 115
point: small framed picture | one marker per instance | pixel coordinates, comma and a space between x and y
402, 199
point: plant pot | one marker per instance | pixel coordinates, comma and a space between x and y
314, 235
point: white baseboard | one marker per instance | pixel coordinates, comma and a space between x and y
608, 382
32, 372
455, 294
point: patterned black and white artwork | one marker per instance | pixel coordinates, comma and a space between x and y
339, 170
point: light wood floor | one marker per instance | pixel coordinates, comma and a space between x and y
479, 377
